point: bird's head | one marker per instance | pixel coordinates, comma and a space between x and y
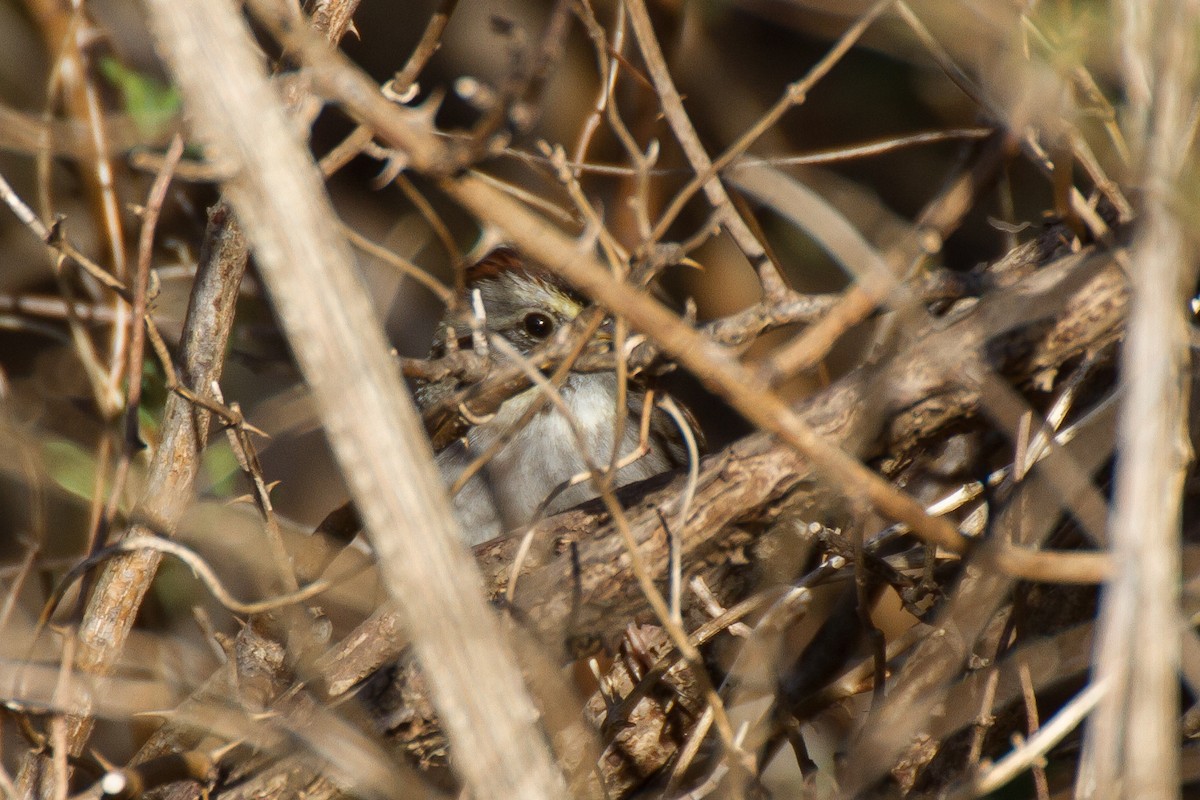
524, 304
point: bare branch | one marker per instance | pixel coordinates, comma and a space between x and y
370, 419
1132, 747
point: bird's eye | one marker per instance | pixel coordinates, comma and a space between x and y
538, 325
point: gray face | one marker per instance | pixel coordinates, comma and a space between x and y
521, 304
525, 308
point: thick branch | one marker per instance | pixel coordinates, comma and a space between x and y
576, 585
1132, 745
373, 427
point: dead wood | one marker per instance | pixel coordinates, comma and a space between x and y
1048, 311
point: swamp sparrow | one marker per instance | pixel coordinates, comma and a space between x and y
523, 306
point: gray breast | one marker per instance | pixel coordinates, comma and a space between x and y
531, 468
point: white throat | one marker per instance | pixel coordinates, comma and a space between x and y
549, 450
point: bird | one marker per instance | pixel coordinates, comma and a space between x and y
526, 305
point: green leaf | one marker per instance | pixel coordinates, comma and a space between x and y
221, 468
150, 103
70, 466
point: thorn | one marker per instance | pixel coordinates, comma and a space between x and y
393, 165
248, 428
479, 95
652, 152
432, 105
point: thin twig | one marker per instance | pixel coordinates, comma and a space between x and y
833, 155
1052, 567
1036, 746
403, 264
123, 583
736, 382
200, 568
794, 95
68, 32
138, 317
672, 106
1032, 723
603, 482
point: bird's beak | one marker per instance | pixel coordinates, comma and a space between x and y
602, 341
607, 330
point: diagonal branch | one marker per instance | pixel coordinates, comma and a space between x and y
574, 584
376, 434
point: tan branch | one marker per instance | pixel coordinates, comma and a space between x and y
1132, 747
371, 422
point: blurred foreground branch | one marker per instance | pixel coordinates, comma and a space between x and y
372, 425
